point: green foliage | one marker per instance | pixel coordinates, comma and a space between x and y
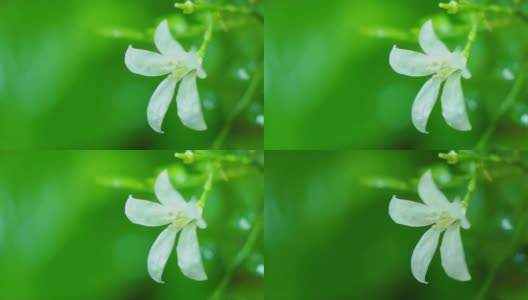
67, 234
328, 236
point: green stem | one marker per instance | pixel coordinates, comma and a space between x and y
189, 7
244, 102
207, 187
207, 38
505, 106
472, 186
472, 36
242, 255
454, 7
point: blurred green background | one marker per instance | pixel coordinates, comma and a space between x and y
65, 236
329, 236
332, 85
64, 84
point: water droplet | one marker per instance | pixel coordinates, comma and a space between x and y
260, 269
209, 103
260, 120
208, 253
244, 224
524, 119
507, 74
519, 258
472, 104
242, 74
506, 224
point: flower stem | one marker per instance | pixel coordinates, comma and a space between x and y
472, 36
244, 102
505, 106
189, 7
472, 186
454, 7
207, 187
243, 253
520, 230
207, 38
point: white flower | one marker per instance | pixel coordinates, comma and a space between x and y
179, 216
444, 216
446, 66
179, 65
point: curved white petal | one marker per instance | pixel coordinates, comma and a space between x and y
410, 213
166, 43
453, 105
159, 103
452, 253
189, 257
430, 43
410, 63
430, 193
188, 100
160, 252
167, 194
146, 63
146, 213
424, 102
423, 253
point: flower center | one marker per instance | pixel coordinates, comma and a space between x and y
443, 220
179, 70
179, 219
442, 70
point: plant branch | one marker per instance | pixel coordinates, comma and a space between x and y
510, 251
505, 106
241, 256
244, 102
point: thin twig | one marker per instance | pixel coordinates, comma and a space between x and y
505, 106
244, 252
244, 102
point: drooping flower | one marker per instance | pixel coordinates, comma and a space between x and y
180, 65
179, 215
446, 217
444, 66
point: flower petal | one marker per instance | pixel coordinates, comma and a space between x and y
166, 43
430, 43
452, 253
159, 103
160, 252
453, 105
189, 108
146, 213
424, 103
167, 194
410, 63
146, 63
189, 257
423, 253
410, 213
430, 193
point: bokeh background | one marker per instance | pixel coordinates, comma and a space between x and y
328, 233
64, 234
64, 85
328, 77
